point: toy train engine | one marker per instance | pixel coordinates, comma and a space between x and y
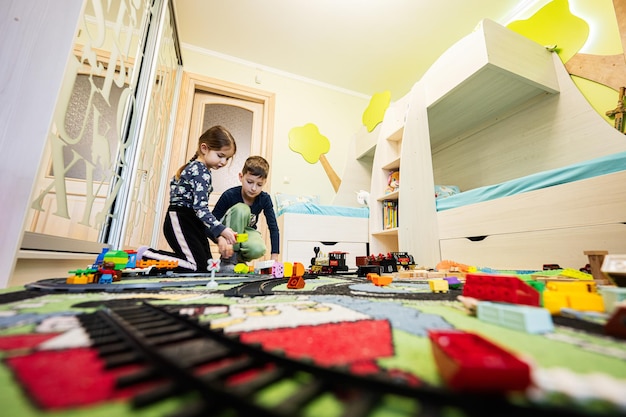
330, 263
337, 261
403, 259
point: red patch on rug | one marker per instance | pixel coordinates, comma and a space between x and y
24, 341
330, 344
67, 378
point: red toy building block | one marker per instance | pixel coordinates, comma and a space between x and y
504, 288
296, 281
469, 362
616, 326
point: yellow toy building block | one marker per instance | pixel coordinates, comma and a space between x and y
572, 286
586, 302
438, 285
287, 269
76, 279
553, 301
241, 268
573, 273
581, 296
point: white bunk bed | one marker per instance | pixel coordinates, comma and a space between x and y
499, 111
306, 224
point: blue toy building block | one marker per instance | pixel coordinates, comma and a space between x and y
106, 279
527, 319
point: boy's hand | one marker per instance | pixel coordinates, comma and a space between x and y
229, 235
274, 257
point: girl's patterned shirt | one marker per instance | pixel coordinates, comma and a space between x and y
192, 190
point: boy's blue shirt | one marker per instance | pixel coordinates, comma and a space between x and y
263, 203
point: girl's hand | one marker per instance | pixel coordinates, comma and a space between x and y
225, 248
229, 235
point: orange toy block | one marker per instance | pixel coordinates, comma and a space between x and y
295, 283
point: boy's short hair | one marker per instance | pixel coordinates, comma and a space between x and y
256, 165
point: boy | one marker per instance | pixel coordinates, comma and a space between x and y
239, 208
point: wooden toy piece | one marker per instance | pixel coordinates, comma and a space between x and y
469, 303
469, 362
596, 257
419, 274
438, 285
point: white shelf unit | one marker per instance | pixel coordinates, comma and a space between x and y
387, 158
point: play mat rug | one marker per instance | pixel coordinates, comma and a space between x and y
340, 346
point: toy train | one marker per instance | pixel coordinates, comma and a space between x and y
331, 263
111, 265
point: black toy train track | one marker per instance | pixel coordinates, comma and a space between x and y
177, 355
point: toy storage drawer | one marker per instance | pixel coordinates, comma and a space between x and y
302, 251
296, 226
533, 249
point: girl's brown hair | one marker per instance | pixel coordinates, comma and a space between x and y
215, 138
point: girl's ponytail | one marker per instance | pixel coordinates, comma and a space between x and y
180, 170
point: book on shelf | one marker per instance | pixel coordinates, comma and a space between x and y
390, 214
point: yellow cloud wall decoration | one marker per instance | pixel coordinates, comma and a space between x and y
312, 145
554, 24
375, 111
308, 142
600, 71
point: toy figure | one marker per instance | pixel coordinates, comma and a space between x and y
393, 182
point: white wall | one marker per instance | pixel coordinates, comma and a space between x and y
337, 113
36, 37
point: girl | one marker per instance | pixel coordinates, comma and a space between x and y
189, 221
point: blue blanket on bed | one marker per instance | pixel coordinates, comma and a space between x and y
310, 208
579, 171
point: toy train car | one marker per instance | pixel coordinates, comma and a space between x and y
333, 263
